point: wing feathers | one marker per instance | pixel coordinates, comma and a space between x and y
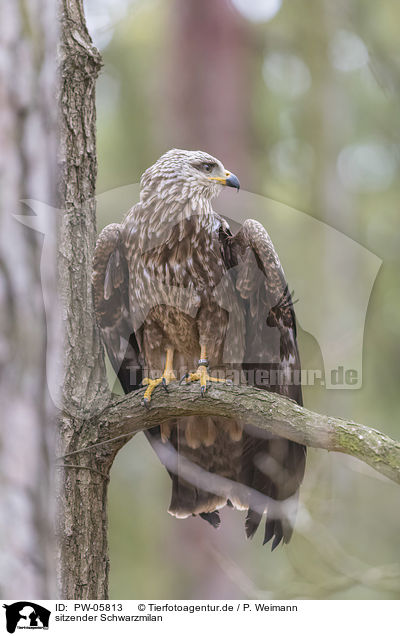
275, 466
114, 276
110, 290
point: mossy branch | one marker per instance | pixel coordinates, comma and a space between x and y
268, 411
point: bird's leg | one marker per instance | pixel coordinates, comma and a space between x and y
202, 372
165, 379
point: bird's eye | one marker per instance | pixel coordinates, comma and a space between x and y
207, 167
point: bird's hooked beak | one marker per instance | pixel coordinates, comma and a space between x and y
230, 180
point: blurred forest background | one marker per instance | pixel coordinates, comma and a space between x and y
301, 101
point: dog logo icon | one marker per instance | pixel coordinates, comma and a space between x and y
26, 615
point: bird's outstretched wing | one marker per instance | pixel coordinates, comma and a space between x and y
110, 288
272, 466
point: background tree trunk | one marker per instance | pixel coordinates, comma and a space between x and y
28, 35
209, 82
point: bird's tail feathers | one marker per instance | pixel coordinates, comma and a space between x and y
274, 471
187, 499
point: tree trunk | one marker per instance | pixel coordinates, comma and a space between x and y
209, 82
82, 531
28, 37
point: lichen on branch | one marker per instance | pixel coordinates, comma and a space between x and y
268, 411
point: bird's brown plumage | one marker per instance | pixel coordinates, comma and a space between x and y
172, 275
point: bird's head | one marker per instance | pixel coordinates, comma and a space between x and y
186, 174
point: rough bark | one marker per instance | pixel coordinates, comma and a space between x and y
28, 37
268, 411
82, 532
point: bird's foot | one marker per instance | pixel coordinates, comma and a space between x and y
167, 377
202, 375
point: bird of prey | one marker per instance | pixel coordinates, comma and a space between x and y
176, 293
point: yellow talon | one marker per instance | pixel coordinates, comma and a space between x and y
151, 385
167, 377
202, 374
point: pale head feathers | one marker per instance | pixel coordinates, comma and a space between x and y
182, 176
